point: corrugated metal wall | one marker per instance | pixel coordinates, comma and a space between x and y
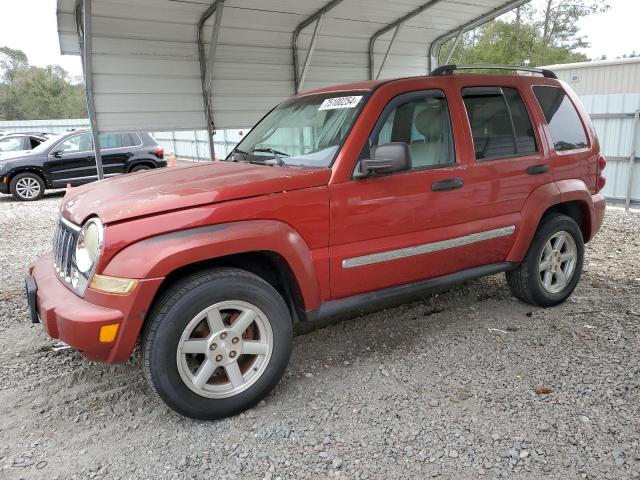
613, 120
602, 78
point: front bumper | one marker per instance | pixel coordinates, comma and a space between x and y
77, 321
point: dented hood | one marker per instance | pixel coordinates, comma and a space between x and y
156, 191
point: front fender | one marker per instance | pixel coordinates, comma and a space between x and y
160, 255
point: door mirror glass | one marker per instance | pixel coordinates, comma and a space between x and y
385, 160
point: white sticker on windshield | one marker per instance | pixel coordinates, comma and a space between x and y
340, 102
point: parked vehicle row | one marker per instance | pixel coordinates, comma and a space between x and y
69, 160
339, 201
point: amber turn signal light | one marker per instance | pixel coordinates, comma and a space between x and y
114, 285
108, 333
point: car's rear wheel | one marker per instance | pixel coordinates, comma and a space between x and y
552, 267
27, 187
217, 343
140, 168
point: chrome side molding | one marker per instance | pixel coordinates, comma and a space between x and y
427, 247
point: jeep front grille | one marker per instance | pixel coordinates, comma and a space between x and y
64, 248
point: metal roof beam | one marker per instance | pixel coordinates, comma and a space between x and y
388, 52
436, 45
84, 28
206, 64
453, 47
391, 26
317, 17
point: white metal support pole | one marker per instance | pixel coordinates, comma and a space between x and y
388, 52
206, 65
87, 63
632, 158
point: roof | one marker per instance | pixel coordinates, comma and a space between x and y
147, 74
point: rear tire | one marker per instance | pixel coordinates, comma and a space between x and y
552, 267
27, 187
140, 168
216, 343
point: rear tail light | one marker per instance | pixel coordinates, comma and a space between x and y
601, 181
159, 152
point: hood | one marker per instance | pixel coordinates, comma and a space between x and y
155, 191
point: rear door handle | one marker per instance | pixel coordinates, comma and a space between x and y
448, 184
537, 169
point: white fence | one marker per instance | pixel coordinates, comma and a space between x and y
194, 145
613, 117
47, 126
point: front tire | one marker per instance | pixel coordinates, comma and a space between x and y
27, 187
216, 343
553, 265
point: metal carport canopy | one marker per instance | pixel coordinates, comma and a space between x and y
144, 70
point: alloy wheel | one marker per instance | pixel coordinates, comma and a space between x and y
225, 349
28, 187
557, 262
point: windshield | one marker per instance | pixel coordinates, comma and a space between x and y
44, 146
302, 132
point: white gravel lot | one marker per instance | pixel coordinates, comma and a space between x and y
420, 391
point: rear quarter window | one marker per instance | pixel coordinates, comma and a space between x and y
567, 132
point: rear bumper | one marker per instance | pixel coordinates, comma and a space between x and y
4, 184
599, 207
77, 321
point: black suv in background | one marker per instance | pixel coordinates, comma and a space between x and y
70, 160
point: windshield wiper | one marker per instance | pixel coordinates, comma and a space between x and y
276, 153
266, 161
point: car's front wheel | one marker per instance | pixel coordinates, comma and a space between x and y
552, 267
217, 343
27, 187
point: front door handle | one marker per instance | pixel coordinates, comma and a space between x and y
448, 184
537, 169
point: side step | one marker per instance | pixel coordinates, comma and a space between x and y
343, 308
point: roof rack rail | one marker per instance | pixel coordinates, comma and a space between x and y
450, 69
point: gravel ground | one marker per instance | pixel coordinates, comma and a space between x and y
466, 384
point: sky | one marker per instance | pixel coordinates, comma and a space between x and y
30, 25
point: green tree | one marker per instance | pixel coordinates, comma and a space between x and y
28, 92
542, 35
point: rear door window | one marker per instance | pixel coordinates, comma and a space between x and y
500, 123
564, 122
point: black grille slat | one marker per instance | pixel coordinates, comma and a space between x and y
64, 249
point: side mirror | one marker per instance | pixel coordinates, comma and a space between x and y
385, 159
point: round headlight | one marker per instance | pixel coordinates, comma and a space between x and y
89, 245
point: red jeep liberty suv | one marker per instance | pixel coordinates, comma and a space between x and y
340, 200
